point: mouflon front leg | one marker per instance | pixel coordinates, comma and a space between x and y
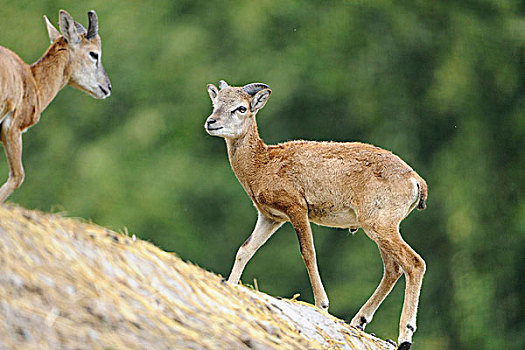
12, 140
264, 228
301, 224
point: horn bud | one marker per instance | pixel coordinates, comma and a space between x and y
93, 25
252, 89
223, 84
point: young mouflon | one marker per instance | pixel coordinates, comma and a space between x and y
73, 58
345, 185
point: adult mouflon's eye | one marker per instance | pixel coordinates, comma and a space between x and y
93, 55
242, 109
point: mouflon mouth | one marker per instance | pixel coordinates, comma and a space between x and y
213, 129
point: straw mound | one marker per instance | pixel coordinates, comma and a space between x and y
66, 284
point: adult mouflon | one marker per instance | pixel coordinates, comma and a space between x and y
73, 58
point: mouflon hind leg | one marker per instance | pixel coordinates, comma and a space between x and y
392, 244
391, 273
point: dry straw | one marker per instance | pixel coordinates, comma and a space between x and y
66, 284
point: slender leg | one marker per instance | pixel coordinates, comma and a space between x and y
302, 227
264, 228
391, 273
414, 268
391, 243
12, 140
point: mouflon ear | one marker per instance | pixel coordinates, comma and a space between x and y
212, 91
80, 28
68, 27
259, 100
53, 33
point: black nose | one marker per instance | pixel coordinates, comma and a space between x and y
103, 90
210, 121
109, 86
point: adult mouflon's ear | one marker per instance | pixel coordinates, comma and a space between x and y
259, 100
80, 28
53, 33
68, 27
212, 91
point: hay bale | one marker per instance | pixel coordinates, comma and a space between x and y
66, 284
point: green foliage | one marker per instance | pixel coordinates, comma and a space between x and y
440, 84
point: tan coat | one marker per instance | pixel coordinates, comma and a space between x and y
345, 185
26, 90
340, 183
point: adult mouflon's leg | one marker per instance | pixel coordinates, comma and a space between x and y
12, 140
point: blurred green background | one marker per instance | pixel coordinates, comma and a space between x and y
439, 83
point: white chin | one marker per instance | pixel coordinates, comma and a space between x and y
97, 95
222, 133
102, 96
215, 133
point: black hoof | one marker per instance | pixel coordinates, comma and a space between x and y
404, 346
360, 328
373, 334
363, 322
390, 341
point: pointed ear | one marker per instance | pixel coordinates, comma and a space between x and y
212, 91
53, 33
80, 28
68, 27
259, 100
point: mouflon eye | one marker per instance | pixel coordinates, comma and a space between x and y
242, 109
93, 55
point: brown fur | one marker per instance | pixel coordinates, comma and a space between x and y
25, 91
346, 185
